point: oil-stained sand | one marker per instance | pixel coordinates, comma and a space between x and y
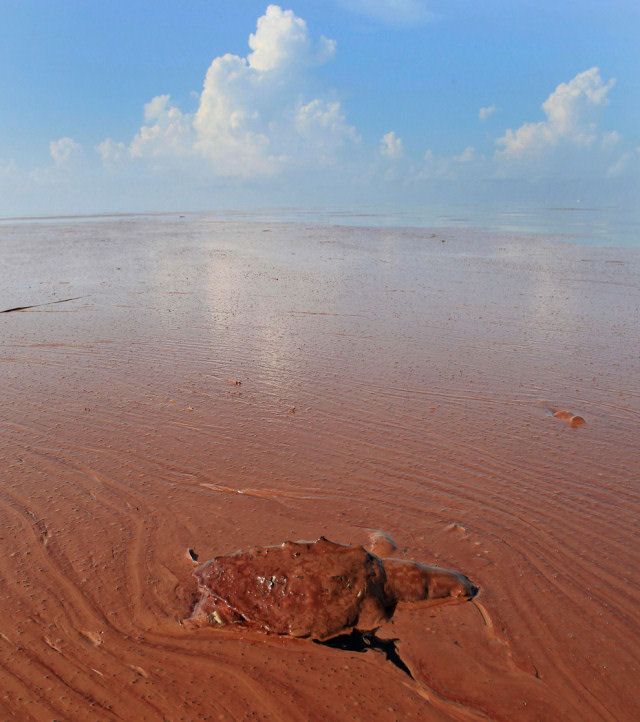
386, 380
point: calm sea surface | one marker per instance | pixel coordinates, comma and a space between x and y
591, 226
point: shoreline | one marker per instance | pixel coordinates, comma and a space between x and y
435, 220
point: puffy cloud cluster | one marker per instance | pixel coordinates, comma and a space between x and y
281, 40
251, 118
168, 131
323, 126
255, 119
569, 118
391, 145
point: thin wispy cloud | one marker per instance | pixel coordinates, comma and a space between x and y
487, 112
64, 151
467, 155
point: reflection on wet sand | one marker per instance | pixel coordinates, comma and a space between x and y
416, 382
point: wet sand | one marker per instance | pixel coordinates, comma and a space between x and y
225, 385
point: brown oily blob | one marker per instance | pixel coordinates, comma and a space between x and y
316, 589
569, 417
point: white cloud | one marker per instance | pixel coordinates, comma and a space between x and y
232, 123
391, 145
112, 152
168, 131
64, 151
323, 126
281, 40
467, 155
251, 119
569, 110
485, 113
392, 12
254, 118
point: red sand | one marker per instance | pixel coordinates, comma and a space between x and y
386, 380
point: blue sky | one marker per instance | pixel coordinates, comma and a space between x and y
106, 106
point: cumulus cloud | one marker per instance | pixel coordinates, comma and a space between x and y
167, 130
252, 119
232, 123
485, 113
64, 151
569, 114
282, 40
391, 145
323, 126
392, 12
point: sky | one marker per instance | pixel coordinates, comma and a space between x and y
195, 105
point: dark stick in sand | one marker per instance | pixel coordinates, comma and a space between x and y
37, 305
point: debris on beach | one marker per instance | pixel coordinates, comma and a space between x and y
38, 305
317, 589
569, 416
455, 527
562, 414
380, 543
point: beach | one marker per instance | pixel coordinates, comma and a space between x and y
212, 385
